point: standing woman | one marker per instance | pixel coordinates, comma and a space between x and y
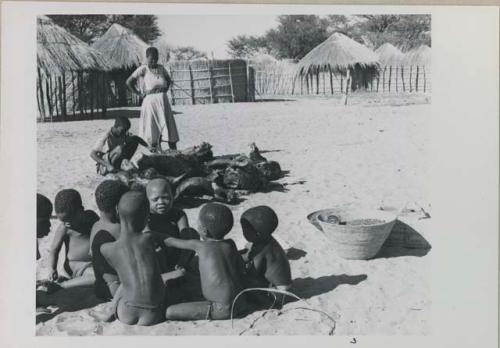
156, 113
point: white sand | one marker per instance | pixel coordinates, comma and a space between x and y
372, 152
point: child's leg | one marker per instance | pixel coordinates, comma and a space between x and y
172, 145
189, 311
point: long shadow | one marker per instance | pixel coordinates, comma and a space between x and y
294, 254
274, 187
188, 202
267, 100
309, 287
404, 240
68, 300
269, 151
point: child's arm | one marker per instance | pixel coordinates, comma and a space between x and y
185, 233
190, 244
55, 248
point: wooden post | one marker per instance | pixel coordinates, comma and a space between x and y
397, 78
425, 79
81, 96
416, 80
301, 85
378, 81
191, 84
211, 79
383, 80
48, 96
91, 92
56, 95
42, 102
63, 87
231, 83
307, 84
403, 78
411, 69
331, 78
390, 76
172, 87
317, 81
104, 93
348, 83
341, 83
73, 92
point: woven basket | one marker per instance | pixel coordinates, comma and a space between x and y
355, 242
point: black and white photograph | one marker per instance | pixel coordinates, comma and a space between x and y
240, 178
231, 170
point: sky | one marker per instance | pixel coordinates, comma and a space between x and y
210, 33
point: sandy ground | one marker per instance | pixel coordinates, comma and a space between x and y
372, 152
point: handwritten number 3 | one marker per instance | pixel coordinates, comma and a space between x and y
353, 341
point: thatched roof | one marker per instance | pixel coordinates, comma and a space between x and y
261, 58
418, 56
389, 55
337, 53
59, 51
121, 47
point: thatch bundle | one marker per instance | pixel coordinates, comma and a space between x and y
389, 55
418, 56
337, 53
59, 51
121, 47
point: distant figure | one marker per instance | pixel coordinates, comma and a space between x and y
266, 261
140, 297
220, 264
115, 146
156, 112
106, 230
43, 214
74, 232
166, 221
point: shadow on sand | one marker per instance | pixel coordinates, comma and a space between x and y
267, 100
404, 240
294, 254
67, 300
310, 287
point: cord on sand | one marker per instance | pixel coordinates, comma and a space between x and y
286, 293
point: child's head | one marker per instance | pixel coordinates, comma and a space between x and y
43, 214
121, 126
107, 196
258, 223
215, 221
152, 55
68, 205
160, 196
133, 209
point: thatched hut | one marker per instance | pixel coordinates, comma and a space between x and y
418, 60
124, 52
70, 73
340, 54
391, 60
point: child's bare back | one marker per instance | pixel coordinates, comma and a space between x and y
141, 296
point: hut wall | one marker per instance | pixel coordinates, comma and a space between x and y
209, 81
71, 96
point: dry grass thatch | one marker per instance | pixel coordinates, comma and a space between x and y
59, 51
121, 47
337, 53
418, 56
164, 50
389, 55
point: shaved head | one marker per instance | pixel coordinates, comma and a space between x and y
133, 208
160, 195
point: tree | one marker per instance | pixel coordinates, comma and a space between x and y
84, 27
187, 53
89, 27
244, 46
296, 35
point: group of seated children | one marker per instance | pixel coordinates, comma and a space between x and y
141, 247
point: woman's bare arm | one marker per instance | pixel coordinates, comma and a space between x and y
131, 84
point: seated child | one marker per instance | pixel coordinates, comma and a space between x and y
106, 230
140, 297
266, 261
43, 214
166, 221
220, 264
115, 146
74, 232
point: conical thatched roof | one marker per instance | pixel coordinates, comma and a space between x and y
389, 55
418, 56
121, 47
338, 53
58, 51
